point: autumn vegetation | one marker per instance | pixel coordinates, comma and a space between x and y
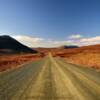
88, 56
8, 62
87, 59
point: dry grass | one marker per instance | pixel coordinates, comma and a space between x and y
87, 59
12, 61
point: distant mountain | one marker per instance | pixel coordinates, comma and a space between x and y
10, 45
69, 46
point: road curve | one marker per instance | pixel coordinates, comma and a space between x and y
50, 79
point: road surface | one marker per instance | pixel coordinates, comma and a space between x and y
50, 79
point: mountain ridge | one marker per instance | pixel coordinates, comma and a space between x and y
11, 45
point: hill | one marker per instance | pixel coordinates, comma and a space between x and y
69, 46
10, 45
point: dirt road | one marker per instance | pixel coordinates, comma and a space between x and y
50, 79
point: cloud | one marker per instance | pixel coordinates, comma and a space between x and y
5, 34
90, 41
41, 42
77, 39
27, 38
29, 41
67, 42
75, 36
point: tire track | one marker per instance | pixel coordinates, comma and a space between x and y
43, 88
87, 87
75, 95
17, 82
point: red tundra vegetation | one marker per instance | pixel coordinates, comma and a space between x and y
89, 56
12, 61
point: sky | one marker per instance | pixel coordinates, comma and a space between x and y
50, 23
